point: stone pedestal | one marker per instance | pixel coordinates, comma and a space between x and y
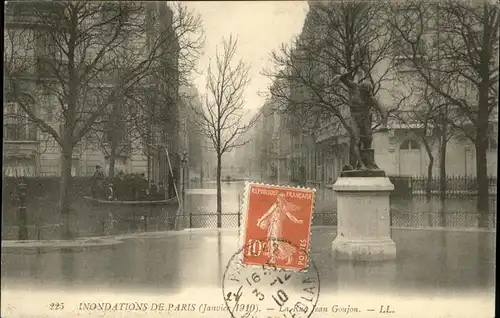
363, 232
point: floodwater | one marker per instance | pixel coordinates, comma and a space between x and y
416, 212
426, 260
430, 263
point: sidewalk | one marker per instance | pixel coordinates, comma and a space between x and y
426, 261
101, 241
115, 239
53, 245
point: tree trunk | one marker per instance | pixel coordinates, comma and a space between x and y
482, 138
201, 175
429, 172
442, 163
219, 192
442, 179
65, 191
482, 176
112, 160
148, 164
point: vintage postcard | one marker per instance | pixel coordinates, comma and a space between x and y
249, 159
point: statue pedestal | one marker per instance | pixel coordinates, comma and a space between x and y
363, 232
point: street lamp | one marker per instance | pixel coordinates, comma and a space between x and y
23, 228
21, 172
184, 160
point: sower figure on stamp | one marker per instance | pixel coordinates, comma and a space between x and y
273, 220
361, 102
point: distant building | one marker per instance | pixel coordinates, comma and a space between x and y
268, 155
399, 151
193, 141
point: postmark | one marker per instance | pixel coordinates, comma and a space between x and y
250, 291
277, 225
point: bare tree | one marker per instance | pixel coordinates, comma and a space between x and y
75, 45
148, 114
195, 140
337, 38
423, 119
115, 134
453, 45
222, 119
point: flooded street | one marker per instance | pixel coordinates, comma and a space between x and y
440, 267
172, 266
416, 212
426, 260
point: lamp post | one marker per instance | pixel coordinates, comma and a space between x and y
23, 228
184, 160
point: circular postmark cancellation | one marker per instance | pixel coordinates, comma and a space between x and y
256, 291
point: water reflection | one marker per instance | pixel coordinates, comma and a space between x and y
219, 256
151, 263
67, 258
35, 265
201, 203
406, 212
426, 260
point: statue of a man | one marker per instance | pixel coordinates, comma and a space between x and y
361, 103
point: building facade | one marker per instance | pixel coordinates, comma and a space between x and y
29, 151
319, 152
193, 141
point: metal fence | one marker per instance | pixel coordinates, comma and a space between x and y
456, 186
415, 211
432, 219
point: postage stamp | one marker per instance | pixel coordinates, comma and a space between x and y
267, 291
277, 226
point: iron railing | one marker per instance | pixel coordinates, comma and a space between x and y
456, 186
415, 211
449, 219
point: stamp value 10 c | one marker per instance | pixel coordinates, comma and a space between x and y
277, 226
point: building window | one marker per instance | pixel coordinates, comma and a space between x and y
90, 169
16, 124
19, 167
120, 165
410, 144
48, 102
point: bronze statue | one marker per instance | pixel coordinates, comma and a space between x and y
361, 102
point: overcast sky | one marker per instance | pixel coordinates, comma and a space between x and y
261, 26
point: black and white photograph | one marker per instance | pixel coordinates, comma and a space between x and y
151, 150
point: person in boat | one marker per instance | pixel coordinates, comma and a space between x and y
110, 192
153, 190
143, 186
120, 186
172, 180
98, 183
161, 191
130, 191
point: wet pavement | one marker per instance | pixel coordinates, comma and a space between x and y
427, 260
435, 262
